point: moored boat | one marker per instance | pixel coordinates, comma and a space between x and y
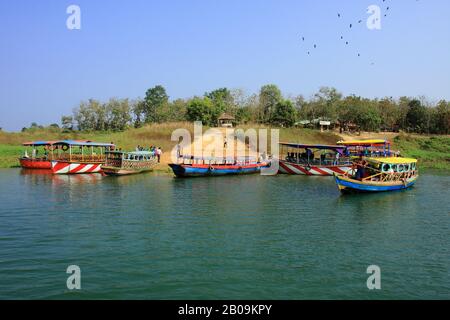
202, 167
379, 174
36, 160
313, 159
80, 156
368, 148
120, 163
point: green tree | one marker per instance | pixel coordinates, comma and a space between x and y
200, 109
85, 116
389, 112
326, 103
442, 117
118, 114
222, 101
269, 96
416, 117
138, 111
67, 123
176, 110
155, 100
367, 116
284, 114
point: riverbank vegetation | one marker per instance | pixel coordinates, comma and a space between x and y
412, 124
268, 107
433, 151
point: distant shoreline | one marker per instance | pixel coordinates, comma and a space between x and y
432, 151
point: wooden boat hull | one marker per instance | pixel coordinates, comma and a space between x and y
66, 167
200, 170
348, 185
301, 169
28, 163
113, 171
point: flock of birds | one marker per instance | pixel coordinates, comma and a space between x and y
351, 26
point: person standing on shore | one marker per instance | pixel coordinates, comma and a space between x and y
158, 154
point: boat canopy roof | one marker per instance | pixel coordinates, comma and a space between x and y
364, 143
312, 146
133, 153
393, 160
84, 143
38, 143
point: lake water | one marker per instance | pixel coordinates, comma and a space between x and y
252, 237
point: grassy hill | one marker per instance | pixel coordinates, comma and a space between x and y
432, 151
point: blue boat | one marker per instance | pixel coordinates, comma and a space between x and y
204, 168
379, 175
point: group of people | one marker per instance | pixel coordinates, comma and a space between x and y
308, 157
156, 151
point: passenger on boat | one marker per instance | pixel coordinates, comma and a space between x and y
361, 171
322, 157
336, 160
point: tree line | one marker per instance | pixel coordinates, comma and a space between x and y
268, 106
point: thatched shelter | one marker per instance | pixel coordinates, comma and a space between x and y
225, 120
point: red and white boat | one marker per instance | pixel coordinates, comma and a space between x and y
80, 157
313, 159
41, 155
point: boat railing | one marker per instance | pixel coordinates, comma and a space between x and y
45, 157
320, 162
81, 157
133, 164
218, 160
381, 176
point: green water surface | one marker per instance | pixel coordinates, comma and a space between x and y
252, 237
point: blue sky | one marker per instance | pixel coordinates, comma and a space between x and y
193, 46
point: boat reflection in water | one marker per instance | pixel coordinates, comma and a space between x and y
36, 176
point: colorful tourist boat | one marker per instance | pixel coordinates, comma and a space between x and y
379, 174
40, 156
368, 148
80, 156
120, 163
313, 159
202, 167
